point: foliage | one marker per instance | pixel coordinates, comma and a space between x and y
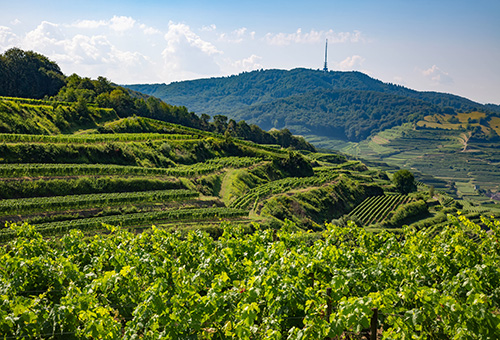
345, 105
28, 74
404, 181
19, 116
313, 206
128, 103
55, 203
411, 210
377, 209
31, 75
84, 185
425, 284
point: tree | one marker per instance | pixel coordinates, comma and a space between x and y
28, 74
404, 181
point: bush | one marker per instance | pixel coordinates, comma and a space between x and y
404, 212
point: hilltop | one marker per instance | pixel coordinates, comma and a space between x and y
280, 99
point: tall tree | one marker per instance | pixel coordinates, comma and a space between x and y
404, 181
29, 74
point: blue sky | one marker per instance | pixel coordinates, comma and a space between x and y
440, 45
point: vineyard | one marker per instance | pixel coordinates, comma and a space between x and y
258, 285
115, 225
104, 171
376, 209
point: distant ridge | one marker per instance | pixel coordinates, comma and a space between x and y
282, 99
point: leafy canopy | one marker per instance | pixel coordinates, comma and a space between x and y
404, 181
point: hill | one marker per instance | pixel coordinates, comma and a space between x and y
94, 141
364, 117
250, 95
119, 222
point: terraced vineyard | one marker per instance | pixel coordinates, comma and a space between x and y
175, 175
171, 174
376, 209
253, 196
117, 225
467, 170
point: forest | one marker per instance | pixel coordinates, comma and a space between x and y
304, 100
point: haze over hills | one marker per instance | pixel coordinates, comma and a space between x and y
341, 105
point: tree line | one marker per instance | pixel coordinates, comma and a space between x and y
28, 74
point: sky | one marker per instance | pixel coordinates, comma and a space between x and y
450, 46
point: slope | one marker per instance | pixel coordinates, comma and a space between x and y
228, 94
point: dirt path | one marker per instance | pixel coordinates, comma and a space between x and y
464, 140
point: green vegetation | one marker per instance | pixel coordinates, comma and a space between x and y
380, 210
257, 285
445, 140
122, 173
404, 181
28, 205
339, 105
28, 74
471, 174
267, 263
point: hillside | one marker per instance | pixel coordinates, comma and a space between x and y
144, 171
250, 95
361, 116
137, 171
126, 217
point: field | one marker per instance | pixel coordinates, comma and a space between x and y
179, 233
171, 175
376, 209
124, 217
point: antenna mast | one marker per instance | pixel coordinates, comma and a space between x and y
325, 68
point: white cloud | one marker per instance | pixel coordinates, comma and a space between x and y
87, 55
44, 38
127, 51
122, 23
15, 22
116, 23
351, 63
210, 28
89, 24
149, 30
187, 54
7, 38
437, 76
237, 36
179, 34
299, 37
248, 64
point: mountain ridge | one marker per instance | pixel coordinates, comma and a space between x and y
253, 95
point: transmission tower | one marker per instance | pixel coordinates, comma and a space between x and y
325, 68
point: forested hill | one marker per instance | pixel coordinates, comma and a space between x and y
356, 113
275, 98
30, 75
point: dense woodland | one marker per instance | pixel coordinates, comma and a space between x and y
342, 105
29, 75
